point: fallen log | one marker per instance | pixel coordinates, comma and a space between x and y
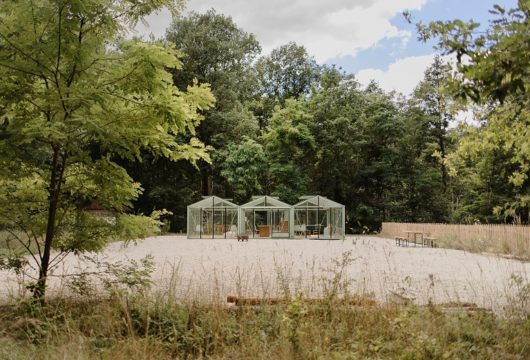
241, 300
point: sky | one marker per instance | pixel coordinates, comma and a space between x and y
369, 38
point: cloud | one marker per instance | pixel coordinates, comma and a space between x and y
328, 29
403, 75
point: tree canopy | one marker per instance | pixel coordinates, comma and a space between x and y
75, 98
493, 72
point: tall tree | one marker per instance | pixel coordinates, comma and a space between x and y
216, 51
420, 193
336, 106
378, 131
244, 167
493, 70
74, 99
220, 53
289, 146
438, 105
288, 72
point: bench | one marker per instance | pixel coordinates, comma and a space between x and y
431, 241
401, 241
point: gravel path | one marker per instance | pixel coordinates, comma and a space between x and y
212, 269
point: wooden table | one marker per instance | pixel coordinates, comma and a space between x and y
414, 234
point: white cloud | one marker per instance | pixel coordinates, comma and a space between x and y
155, 24
403, 75
328, 29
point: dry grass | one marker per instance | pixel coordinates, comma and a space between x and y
502, 239
132, 322
213, 269
147, 327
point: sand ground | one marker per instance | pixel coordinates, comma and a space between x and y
212, 269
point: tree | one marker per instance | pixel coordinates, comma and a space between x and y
216, 51
493, 71
439, 106
483, 167
377, 157
244, 167
420, 192
335, 107
220, 53
288, 72
75, 98
289, 149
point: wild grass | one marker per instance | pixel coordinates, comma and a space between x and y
147, 327
131, 321
501, 239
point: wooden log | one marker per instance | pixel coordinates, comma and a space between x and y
241, 300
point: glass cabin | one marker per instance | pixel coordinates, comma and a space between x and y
212, 218
317, 217
266, 217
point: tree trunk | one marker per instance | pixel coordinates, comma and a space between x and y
445, 175
54, 191
205, 180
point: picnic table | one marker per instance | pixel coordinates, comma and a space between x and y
414, 235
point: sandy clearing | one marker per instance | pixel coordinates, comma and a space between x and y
212, 269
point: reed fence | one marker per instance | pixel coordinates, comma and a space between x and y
496, 238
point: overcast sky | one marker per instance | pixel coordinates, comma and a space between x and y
366, 37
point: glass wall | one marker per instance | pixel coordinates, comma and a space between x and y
317, 217
266, 217
212, 218
260, 222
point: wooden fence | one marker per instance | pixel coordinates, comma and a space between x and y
497, 238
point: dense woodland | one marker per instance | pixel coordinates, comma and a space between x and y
286, 126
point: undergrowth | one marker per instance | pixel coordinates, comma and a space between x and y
141, 326
129, 321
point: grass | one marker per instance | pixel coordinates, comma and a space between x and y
144, 326
129, 321
500, 247
126, 320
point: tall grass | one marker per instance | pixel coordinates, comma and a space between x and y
131, 321
147, 327
505, 239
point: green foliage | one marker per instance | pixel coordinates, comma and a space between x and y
483, 164
289, 148
155, 327
293, 320
75, 99
439, 106
492, 71
288, 72
244, 167
214, 50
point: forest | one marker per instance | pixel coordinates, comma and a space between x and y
283, 125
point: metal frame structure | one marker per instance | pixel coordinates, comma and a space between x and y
266, 217
212, 218
319, 217
314, 217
